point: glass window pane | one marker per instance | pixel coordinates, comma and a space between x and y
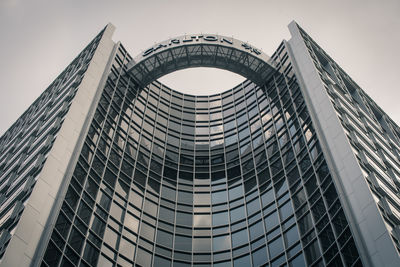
240, 238
131, 222
221, 242
267, 198
150, 208
183, 243
201, 244
256, 230
184, 218
111, 237
202, 199
135, 199
243, 261
219, 197
168, 193
167, 215
286, 211
91, 254
237, 214
220, 218
271, 221
185, 197
126, 248
116, 211
143, 257
260, 257
297, 262
103, 261
253, 206
312, 252
158, 261
202, 220
98, 225
76, 240
164, 238
147, 231
275, 247
291, 236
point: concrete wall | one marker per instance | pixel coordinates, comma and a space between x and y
371, 236
40, 210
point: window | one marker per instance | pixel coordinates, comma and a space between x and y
219, 197
240, 238
184, 218
201, 244
183, 243
237, 214
260, 256
221, 218
164, 238
202, 220
256, 230
275, 247
221, 242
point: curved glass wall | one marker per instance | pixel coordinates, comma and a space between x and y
233, 179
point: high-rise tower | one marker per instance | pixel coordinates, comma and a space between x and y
108, 166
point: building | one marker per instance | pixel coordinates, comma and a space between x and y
108, 166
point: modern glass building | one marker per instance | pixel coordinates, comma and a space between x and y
296, 166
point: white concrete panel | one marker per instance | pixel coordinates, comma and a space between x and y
389, 258
48, 189
37, 201
364, 218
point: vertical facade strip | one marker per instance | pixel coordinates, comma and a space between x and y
372, 237
38, 207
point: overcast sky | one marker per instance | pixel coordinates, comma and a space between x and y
40, 38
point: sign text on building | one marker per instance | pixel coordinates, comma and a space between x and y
196, 38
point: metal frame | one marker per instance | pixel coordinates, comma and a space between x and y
235, 56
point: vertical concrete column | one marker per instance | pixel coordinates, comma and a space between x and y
38, 215
371, 235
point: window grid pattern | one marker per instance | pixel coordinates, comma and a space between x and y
24, 147
373, 136
236, 178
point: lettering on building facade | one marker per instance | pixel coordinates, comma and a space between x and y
197, 38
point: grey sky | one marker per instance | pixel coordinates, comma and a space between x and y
40, 38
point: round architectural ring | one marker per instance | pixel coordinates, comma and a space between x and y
201, 50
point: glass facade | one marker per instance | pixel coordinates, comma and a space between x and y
25, 146
170, 179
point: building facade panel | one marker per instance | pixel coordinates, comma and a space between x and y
339, 107
297, 168
53, 135
230, 179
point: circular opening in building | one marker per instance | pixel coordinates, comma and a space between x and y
202, 81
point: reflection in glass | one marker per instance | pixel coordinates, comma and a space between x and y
221, 242
200, 174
